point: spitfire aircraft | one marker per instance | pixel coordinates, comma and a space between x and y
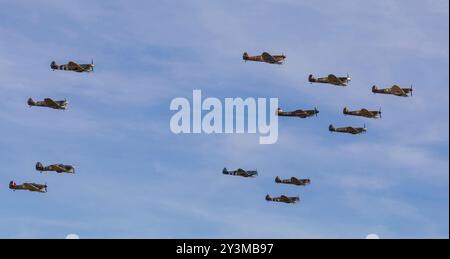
59, 168
294, 181
240, 172
350, 130
265, 57
298, 113
363, 113
32, 187
283, 198
331, 79
72, 66
394, 90
50, 103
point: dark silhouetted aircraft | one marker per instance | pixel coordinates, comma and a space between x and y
240, 172
59, 168
283, 198
394, 90
32, 187
50, 103
298, 113
331, 79
265, 57
350, 130
364, 113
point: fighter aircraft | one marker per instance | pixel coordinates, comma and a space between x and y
240, 172
350, 130
330, 79
394, 90
364, 113
293, 180
283, 198
50, 103
32, 187
72, 66
59, 168
265, 57
298, 113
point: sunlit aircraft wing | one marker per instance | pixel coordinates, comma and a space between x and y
32, 186
367, 113
334, 79
397, 90
59, 168
51, 103
268, 58
74, 66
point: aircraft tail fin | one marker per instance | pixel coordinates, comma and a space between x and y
12, 184
374, 88
245, 56
311, 78
277, 179
225, 171
345, 111
331, 128
268, 198
31, 102
53, 65
39, 166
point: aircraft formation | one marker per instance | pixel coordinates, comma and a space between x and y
331, 79
57, 105
265, 57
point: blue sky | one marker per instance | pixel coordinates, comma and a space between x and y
136, 179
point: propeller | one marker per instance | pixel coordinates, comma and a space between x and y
92, 65
411, 90
316, 111
379, 112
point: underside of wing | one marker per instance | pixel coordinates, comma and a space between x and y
268, 58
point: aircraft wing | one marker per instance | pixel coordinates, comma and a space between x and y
50, 102
366, 113
299, 111
352, 130
284, 198
268, 58
74, 66
32, 186
334, 79
397, 90
59, 168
